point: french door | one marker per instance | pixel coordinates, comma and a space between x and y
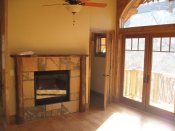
149, 73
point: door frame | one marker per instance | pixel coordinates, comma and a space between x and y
107, 96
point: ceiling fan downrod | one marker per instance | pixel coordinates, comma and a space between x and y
73, 18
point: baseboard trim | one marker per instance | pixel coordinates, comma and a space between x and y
97, 93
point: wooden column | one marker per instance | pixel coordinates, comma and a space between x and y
3, 57
19, 91
82, 83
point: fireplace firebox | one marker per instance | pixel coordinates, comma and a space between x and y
51, 86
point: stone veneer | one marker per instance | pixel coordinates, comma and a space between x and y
32, 64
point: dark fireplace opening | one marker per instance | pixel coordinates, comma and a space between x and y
51, 86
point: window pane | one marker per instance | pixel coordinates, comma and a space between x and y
135, 44
97, 48
103, 49
162, 81
156, 44
165, 43
172, 43
141, 43
133, 75
100, 45
128, 44
97, 45
103, 41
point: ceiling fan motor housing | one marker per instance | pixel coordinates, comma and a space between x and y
73, 2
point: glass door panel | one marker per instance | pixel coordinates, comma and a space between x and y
162, 90
133, 68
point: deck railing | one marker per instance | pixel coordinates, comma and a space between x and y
162, 86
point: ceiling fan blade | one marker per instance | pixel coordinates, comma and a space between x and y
83, 1
53, 4
95, 4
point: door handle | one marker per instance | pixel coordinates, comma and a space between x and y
105, 75
146, 78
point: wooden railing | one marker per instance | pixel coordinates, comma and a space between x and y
162, 86
133, 84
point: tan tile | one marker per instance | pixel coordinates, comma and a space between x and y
30, 64
74, 84
75, 63
31, 75
25, 76
52, 63
75, 60
64, 63
53, 106
74, 96
41, 63
75, 73
72, 106
28, 89
64, 67
29, 103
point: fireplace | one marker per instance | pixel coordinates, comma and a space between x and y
51, 86
61, 92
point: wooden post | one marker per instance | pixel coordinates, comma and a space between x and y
19, 91
82, 83
136, 83
156, 84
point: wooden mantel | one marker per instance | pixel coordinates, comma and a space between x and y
50, 55
31, 63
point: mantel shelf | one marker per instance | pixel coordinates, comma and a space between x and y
49, 55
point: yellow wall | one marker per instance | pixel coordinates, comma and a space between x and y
49, 30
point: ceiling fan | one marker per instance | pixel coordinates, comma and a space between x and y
75, 6
80, 2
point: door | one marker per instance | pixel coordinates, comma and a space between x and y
162, 75
149, 73
107, 75
134, 70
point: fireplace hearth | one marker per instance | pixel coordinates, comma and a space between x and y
51, 86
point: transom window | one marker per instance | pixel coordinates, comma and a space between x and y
152, 12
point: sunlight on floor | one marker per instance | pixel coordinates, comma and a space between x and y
126, 122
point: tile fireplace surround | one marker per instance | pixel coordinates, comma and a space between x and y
25, 66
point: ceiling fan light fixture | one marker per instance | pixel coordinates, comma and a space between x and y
74, 8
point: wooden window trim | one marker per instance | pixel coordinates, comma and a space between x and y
96, 37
